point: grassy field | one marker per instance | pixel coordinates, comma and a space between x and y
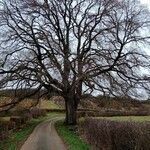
45, 104
27, 103
71, 138
4, 118
17, 136
128, 118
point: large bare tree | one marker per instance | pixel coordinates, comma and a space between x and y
74, 47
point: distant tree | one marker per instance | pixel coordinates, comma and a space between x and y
74, 47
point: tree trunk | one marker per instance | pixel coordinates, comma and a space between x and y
71, 108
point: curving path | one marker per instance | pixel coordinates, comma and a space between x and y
44, 137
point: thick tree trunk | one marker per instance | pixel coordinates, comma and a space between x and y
71, 108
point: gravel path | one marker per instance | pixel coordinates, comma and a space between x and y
44, 137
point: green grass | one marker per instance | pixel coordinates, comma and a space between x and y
47, 104
17, 136
43, 104
4, 118
70, 138
128, 118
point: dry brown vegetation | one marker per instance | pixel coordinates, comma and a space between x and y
113, 135
117, 103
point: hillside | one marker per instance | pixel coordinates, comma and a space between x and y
87, 102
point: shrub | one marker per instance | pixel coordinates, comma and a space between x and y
3, 134
38, 113
113, 135
27, 116
3, 126
144, 143
3, 130
110, 113
11, 125
19, 120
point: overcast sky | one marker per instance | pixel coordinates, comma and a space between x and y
146, 2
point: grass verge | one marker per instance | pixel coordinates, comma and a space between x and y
17, 136
127, 118
70, 137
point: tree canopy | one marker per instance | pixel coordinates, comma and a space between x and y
74, 47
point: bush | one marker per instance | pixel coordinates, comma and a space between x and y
7, 125
38, 113
3, 130
20, 121
11, 125
113, 135
27, 116
3, 134
3, 126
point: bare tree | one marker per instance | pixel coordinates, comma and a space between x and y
74, 47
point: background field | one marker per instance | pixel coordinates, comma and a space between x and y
127, 118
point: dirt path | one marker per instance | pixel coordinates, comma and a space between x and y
44, 137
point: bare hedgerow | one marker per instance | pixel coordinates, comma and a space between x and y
38, 112
113, 135
3, 130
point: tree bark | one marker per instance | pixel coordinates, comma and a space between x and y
71, 111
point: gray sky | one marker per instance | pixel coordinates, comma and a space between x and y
146, 2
